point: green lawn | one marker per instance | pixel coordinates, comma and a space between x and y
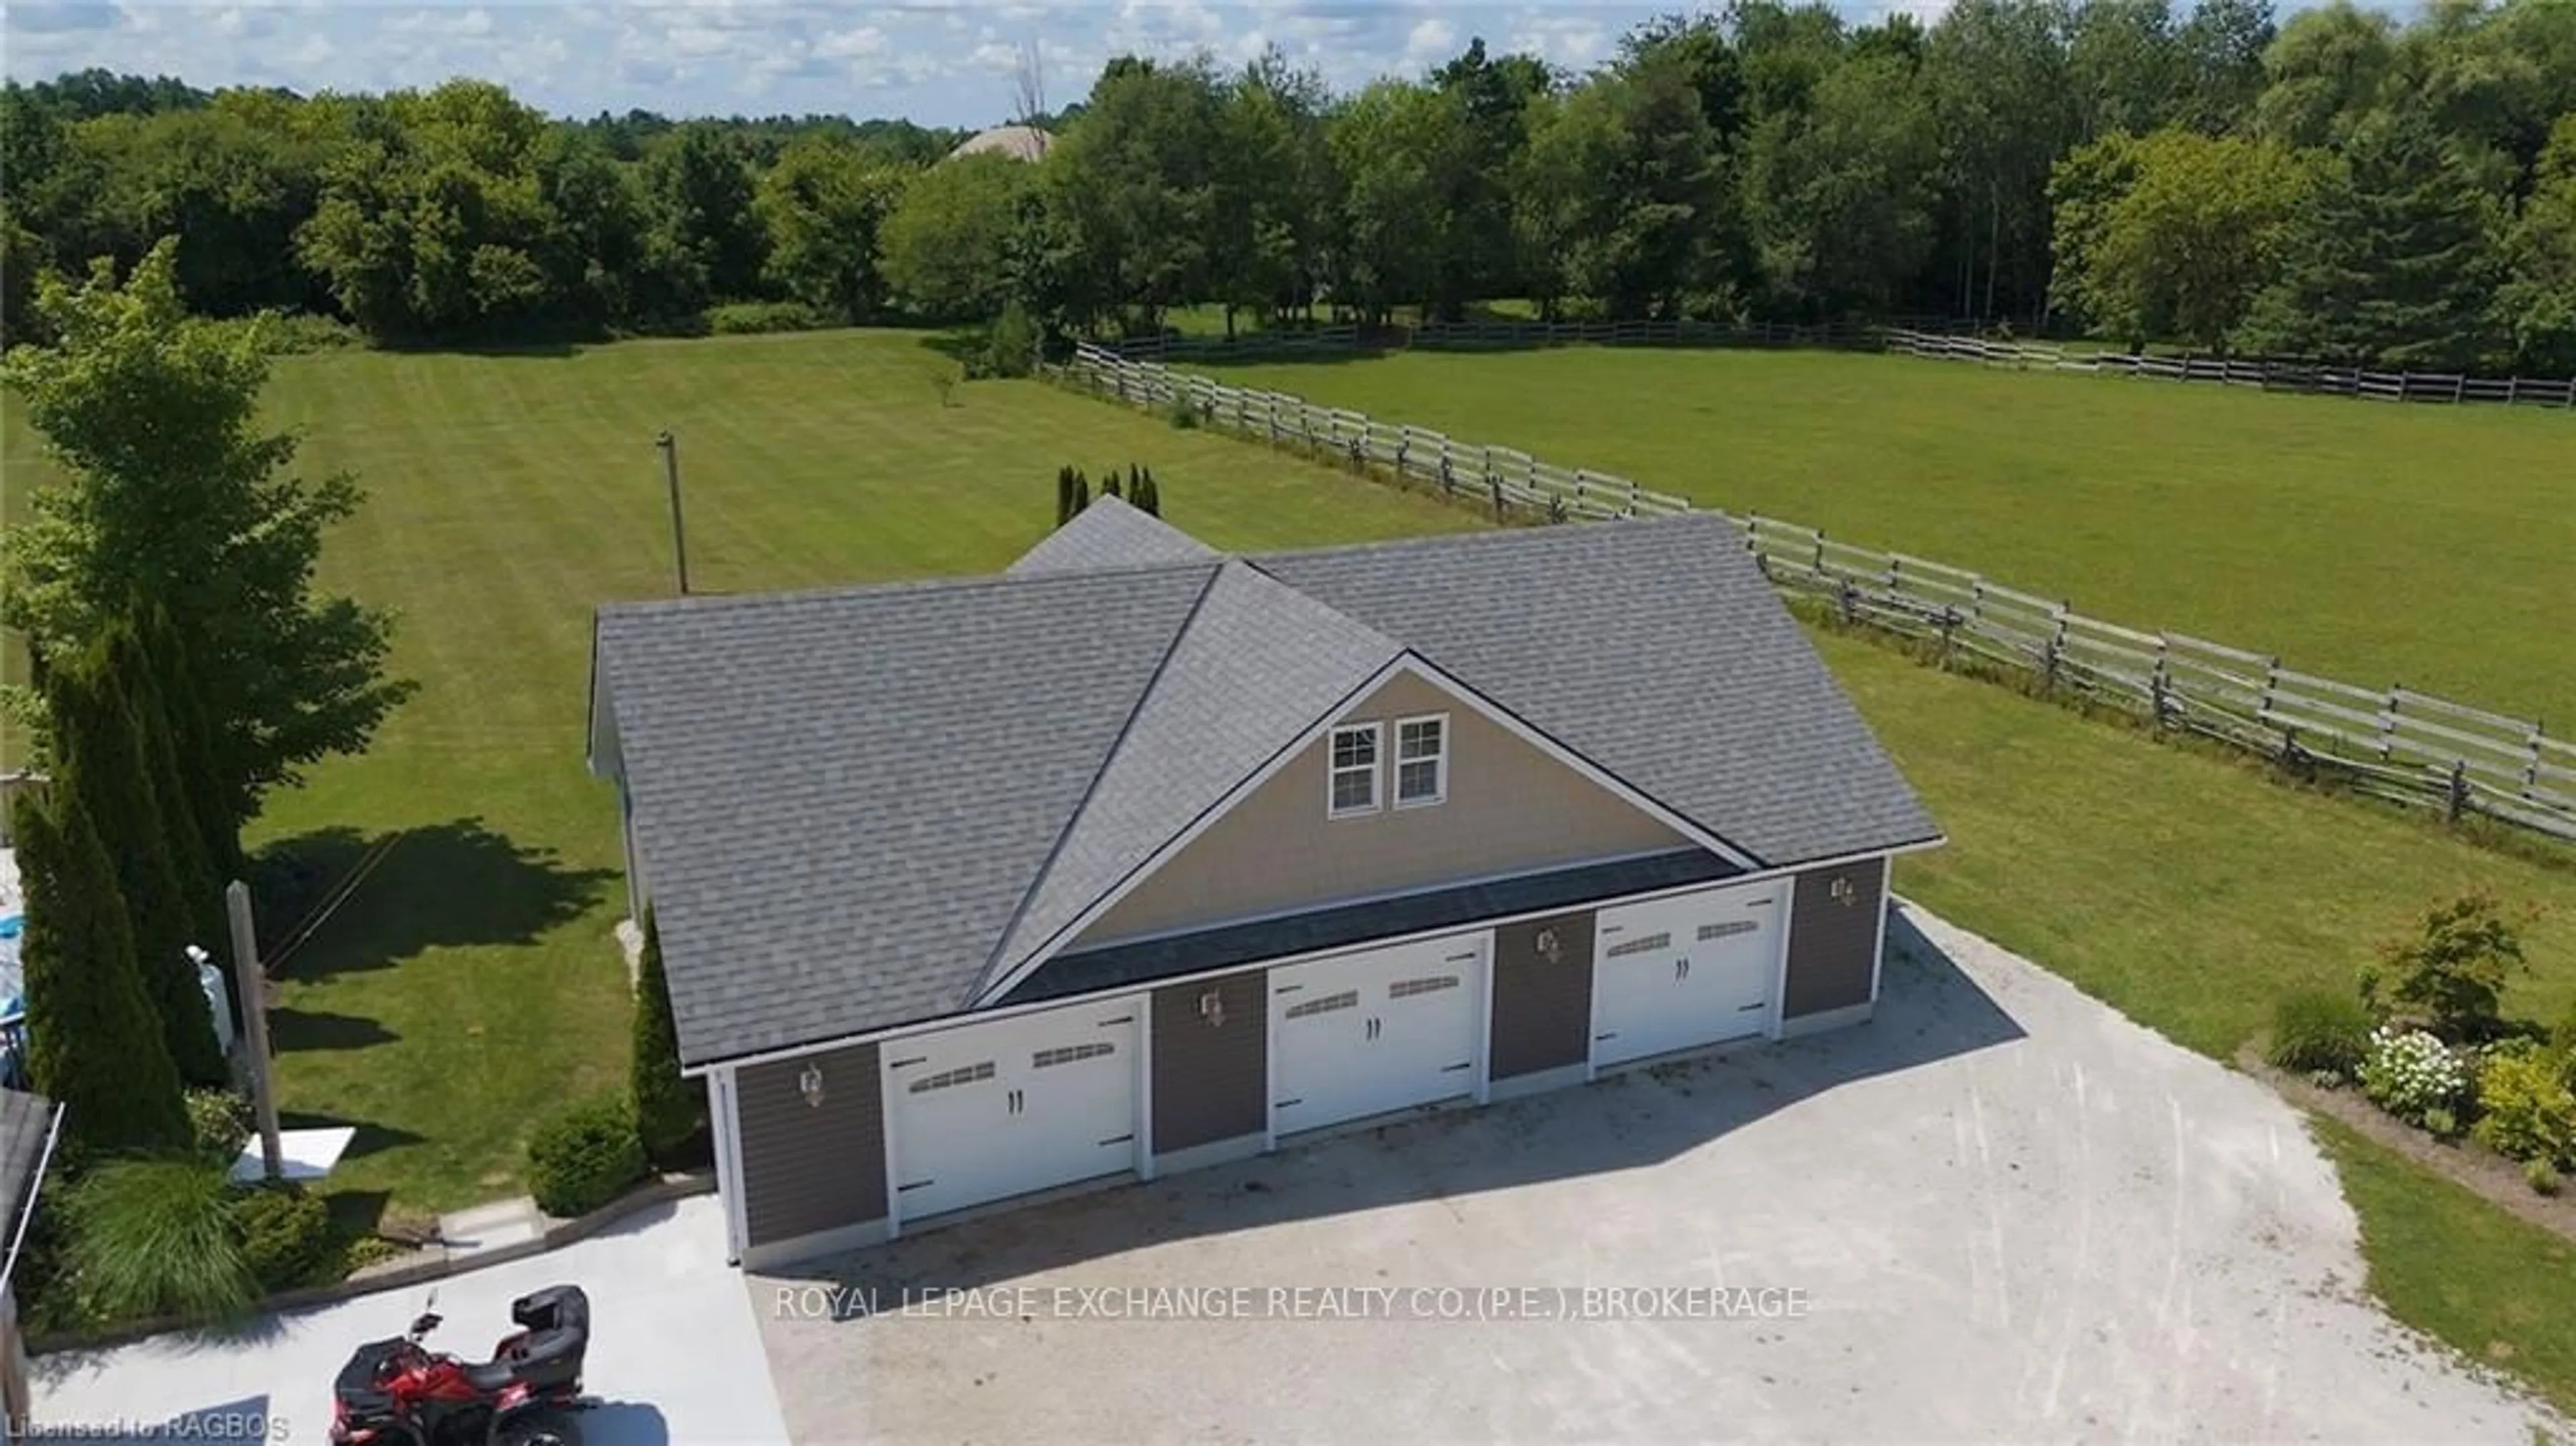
2172, 882
2420, 545
2493, 1286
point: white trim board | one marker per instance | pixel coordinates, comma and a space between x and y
972, 1015
1403, 664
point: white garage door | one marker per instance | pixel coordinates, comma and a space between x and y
1361, 1034
1678, 973
993, 1110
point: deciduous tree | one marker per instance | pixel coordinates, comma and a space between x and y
173, 495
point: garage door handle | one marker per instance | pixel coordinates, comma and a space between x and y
908, 1063
1118, 1140
1121, 1019
1756, 1004
915, 1185
1284, 1104
1454, 1068
1596, 1039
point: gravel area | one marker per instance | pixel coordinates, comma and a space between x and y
1999, 1212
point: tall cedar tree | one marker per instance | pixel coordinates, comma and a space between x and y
1109, 483
1063, 495
99, 744
194, 740
1148, 497
92, 1042
1081, 492
670, 1112
132, 662
2390, 260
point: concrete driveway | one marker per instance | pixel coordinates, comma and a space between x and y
1999, 1212
674, 1358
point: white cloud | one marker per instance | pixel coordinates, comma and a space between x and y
1431, 39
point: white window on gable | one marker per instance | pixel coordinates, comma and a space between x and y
1354, 769
1421, 760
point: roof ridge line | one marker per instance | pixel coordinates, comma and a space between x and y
708, 602
1108, 756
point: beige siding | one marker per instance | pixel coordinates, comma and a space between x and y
1510, 809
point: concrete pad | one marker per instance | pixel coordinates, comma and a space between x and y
489, 1227
1997, 1212
301, 1154
674, 1356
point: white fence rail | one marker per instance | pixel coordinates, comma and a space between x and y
2411, 747
2270, 376
1940, 340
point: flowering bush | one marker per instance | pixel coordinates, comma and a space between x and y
2410, 1074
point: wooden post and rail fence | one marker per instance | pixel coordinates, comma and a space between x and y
1931, 339
2415, 748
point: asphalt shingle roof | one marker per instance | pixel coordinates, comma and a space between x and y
840, 798
1258, 664
858, 808
1109, 533
26, 1122
1657, 651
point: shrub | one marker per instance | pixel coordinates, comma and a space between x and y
2320, 1030
285, 1234
2542, 1179
2451, 977
1184, 412
2442, 1121
153, 1236
670, 1112
221, 1123
2410, 1074
1011, 343
2527, 1111
750, 318
580, 1159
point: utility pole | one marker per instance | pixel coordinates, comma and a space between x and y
254, 1011
679, 536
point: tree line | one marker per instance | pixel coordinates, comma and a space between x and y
2339, 184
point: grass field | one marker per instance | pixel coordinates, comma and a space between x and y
2420, 545
472, 984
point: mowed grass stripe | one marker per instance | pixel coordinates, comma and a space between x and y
2422, 545
471, 984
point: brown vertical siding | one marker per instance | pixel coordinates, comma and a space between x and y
807, 1168
1211, 1073
1510, 809
1833, 945
1542, 1005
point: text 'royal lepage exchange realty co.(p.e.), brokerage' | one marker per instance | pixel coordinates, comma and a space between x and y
827, 1301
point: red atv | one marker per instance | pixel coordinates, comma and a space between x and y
396, 1393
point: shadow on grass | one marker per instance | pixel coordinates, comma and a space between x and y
445, 885
370, 1138
962, 345
294, 1030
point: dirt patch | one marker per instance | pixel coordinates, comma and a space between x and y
2469, 1165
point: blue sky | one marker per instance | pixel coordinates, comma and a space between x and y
940, 62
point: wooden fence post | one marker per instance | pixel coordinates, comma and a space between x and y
2388, 722
2455, 796
2056, 650
2531, 765
2158, 698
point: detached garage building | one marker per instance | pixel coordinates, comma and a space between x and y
1139, 857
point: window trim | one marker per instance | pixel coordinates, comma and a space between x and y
1334, 772
1439, 764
